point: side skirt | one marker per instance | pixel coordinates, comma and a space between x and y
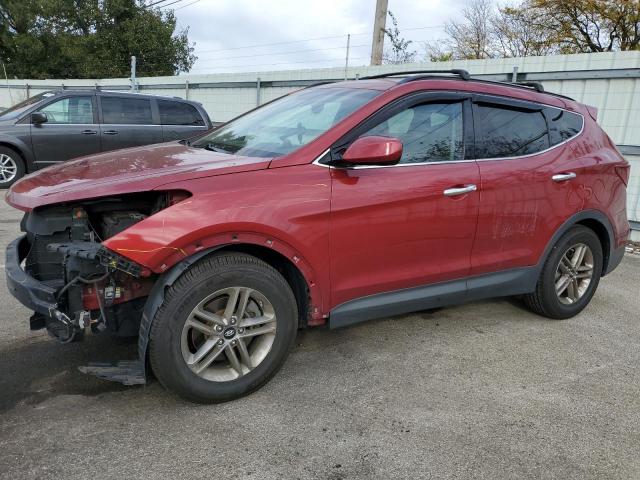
516, 281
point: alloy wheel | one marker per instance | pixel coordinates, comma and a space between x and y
228, 334
574, 273
8, 168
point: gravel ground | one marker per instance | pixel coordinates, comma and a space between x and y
485, 390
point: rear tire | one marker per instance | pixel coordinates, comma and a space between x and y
570, 275
12, 167
206, 346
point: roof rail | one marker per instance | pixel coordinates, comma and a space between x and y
463, 74
537, 86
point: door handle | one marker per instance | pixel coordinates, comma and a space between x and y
452, 192
563, 177
110, 132
89, 132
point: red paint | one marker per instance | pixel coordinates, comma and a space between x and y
374, 149
352, 233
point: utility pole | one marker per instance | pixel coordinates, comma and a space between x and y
8, 87
134, 87
346, 60
379, 24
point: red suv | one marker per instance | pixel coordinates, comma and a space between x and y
336, 204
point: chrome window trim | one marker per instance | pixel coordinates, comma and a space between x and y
319, 157
131, 124
546, 149
365, 167
65, 124
183, 126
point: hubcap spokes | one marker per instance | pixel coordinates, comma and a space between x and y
8, 168
574, 273
228, 334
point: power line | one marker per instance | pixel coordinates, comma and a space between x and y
167, 4
310, 40
187, 5
276, 43
155, 3
282, 53
276, 64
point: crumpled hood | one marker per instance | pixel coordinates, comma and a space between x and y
124, 171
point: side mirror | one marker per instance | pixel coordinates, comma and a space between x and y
374, 150
38, 117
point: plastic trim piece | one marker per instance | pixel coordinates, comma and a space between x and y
499, 284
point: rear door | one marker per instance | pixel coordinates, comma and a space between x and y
71, 130
180, 120
127, 121
530, 180
400, 226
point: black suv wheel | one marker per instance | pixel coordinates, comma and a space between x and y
11, 167
225, 328
570, 275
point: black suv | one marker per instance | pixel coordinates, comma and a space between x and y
55, 126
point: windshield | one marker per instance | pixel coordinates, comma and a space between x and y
18, 108
287, 124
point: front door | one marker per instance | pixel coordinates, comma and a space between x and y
413, 223
71, 130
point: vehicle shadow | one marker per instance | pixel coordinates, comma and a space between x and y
41, 368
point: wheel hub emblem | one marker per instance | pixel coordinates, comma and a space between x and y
229, 333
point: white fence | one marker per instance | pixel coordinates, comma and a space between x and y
608, 81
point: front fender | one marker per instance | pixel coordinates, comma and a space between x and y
21, 147
285, 210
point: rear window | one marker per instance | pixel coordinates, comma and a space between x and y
177, 113
127, 111
509, 132
563, 125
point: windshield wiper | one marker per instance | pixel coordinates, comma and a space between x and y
213, 148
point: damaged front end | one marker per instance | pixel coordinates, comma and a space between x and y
60, 269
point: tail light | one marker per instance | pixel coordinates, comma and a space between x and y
623, 172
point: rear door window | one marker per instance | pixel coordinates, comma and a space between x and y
126, 111
178, 113
504, 131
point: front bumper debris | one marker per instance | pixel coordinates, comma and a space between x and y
33, 294
41, 298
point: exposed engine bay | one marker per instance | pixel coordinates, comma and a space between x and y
95, 288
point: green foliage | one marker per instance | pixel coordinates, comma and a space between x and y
90, 39
399, 51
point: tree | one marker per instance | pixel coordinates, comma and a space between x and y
90, 39
519, 32
591, 25
471, 38
399, 52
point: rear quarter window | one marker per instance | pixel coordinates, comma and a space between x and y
563, 125
178, 113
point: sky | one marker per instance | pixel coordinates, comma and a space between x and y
247, 36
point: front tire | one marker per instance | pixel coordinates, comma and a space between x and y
570, 275
224, 329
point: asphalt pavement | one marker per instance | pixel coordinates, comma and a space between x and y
484, 390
